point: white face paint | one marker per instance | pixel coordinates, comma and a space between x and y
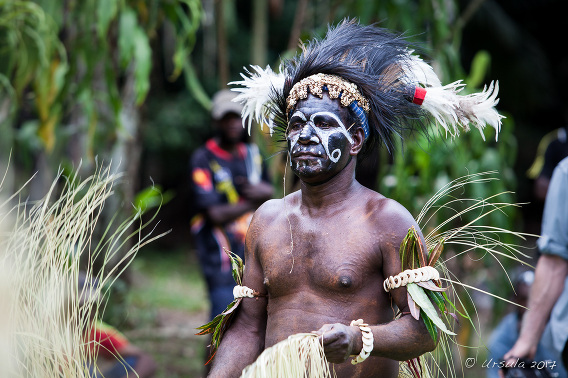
323, 134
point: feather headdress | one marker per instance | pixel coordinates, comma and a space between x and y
402, 91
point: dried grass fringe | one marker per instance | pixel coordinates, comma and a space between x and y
299, 356
41, 320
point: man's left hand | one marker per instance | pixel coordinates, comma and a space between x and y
339, 341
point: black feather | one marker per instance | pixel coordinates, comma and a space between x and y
370, 57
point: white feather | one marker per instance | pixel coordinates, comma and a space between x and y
255, 95
451, 110
418, 71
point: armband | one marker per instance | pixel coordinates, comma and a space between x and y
426, 273
367, 341
243, 292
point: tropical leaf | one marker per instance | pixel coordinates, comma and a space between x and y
142, 64
413, 307
429, 285
106, 12
438, 299
237, 266
464, 315
436, 252
422, 300
222, 322
151, 197
409, 250
430, 326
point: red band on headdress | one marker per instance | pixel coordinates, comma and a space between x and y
419, 94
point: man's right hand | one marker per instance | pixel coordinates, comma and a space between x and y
521, 349
339, 341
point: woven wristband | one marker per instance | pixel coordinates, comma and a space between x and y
367, 336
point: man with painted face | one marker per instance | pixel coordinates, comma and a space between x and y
319, 256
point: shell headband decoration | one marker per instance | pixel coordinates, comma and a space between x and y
376, 74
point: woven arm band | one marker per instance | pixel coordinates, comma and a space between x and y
426, 273
243, 292
367, 336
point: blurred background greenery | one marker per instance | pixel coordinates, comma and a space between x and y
130, 81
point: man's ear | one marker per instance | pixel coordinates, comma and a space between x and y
358, 139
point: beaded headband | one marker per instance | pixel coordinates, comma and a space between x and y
338, 88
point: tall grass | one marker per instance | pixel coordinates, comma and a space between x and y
464, 227
43, 246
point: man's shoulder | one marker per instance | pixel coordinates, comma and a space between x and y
385, 207
271, 208
388, 214
200, 153
563, 165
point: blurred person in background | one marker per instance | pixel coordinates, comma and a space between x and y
229, 183
552, 148
117, 357
547, 314
506, 333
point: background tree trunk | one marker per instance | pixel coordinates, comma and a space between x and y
222, 56
259, 32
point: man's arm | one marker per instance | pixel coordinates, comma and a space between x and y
244, 340
254, 196
548, 284
551, 268
211, 202
401, 339
226, 212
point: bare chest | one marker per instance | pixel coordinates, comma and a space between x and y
333, 257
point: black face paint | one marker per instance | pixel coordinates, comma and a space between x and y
318, 142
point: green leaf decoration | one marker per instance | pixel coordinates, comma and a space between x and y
411, 251
430, 326
237, 266
436, 252
407, 251
413, 307
421, 299
454, 307
222, 322
429, 285
438, 299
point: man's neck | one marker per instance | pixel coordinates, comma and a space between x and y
332, 192
226, 145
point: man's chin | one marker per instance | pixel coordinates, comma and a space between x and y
312, 175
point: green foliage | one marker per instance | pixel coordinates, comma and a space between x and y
151, 197
51, 54
424, 165
410, 251
134, 48
32, 56
222, 322
175, 123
